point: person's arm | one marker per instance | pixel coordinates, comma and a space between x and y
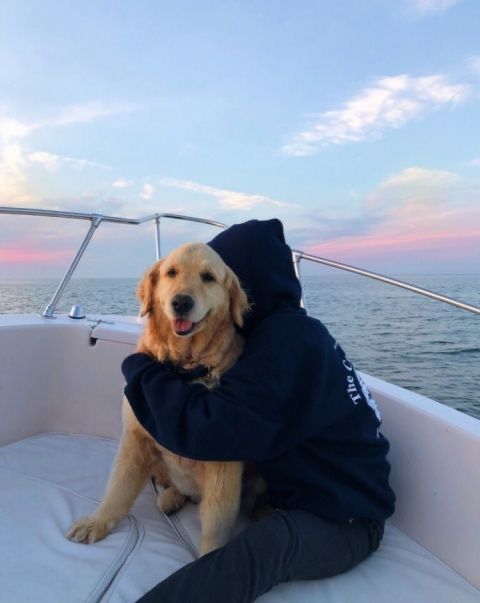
256, 413
232, 422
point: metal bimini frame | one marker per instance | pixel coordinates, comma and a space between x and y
96, 219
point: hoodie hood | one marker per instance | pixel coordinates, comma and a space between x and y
256, 251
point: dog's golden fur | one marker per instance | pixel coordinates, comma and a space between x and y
219, 304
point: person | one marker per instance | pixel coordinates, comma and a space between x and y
294, 405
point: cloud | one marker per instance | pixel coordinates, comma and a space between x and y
88, 112
424, 7
48, 160
52, 162
121, 183
415, 209
389, 103
454, 244
147, 191
474, 161
327, 228
417, 177
16, 186
405, 201
228, 199
23, 255
423, 200
12, 129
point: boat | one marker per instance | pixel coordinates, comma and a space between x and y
60, 398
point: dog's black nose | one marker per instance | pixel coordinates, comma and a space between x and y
182, 304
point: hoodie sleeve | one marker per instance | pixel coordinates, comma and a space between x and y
276, 396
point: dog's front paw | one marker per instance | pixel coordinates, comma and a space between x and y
89, 530
170, 500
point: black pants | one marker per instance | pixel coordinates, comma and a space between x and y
287, 545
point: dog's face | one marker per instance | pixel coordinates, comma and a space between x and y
192, 287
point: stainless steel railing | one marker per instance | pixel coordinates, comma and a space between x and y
298, 255
95, 221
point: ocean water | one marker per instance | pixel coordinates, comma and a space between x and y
412, 341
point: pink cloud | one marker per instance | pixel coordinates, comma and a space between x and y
25, 255
458, 242
422, 214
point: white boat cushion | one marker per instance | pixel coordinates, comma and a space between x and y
48, 481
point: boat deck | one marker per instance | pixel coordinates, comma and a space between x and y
50, 480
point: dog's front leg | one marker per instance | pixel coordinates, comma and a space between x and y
132, 467
220, 503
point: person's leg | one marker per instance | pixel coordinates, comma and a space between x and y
285, 546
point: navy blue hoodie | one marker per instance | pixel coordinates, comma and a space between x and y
292, 403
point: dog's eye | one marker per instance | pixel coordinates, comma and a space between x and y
172, 273
207, 277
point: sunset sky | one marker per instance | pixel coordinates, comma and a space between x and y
356, 123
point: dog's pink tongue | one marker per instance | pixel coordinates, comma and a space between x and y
181, 325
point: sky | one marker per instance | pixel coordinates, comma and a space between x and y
355, 123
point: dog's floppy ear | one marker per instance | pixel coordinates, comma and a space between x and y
146, 287
239, 305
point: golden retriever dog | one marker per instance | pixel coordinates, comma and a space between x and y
193, 302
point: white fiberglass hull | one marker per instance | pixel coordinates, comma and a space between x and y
62, 376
